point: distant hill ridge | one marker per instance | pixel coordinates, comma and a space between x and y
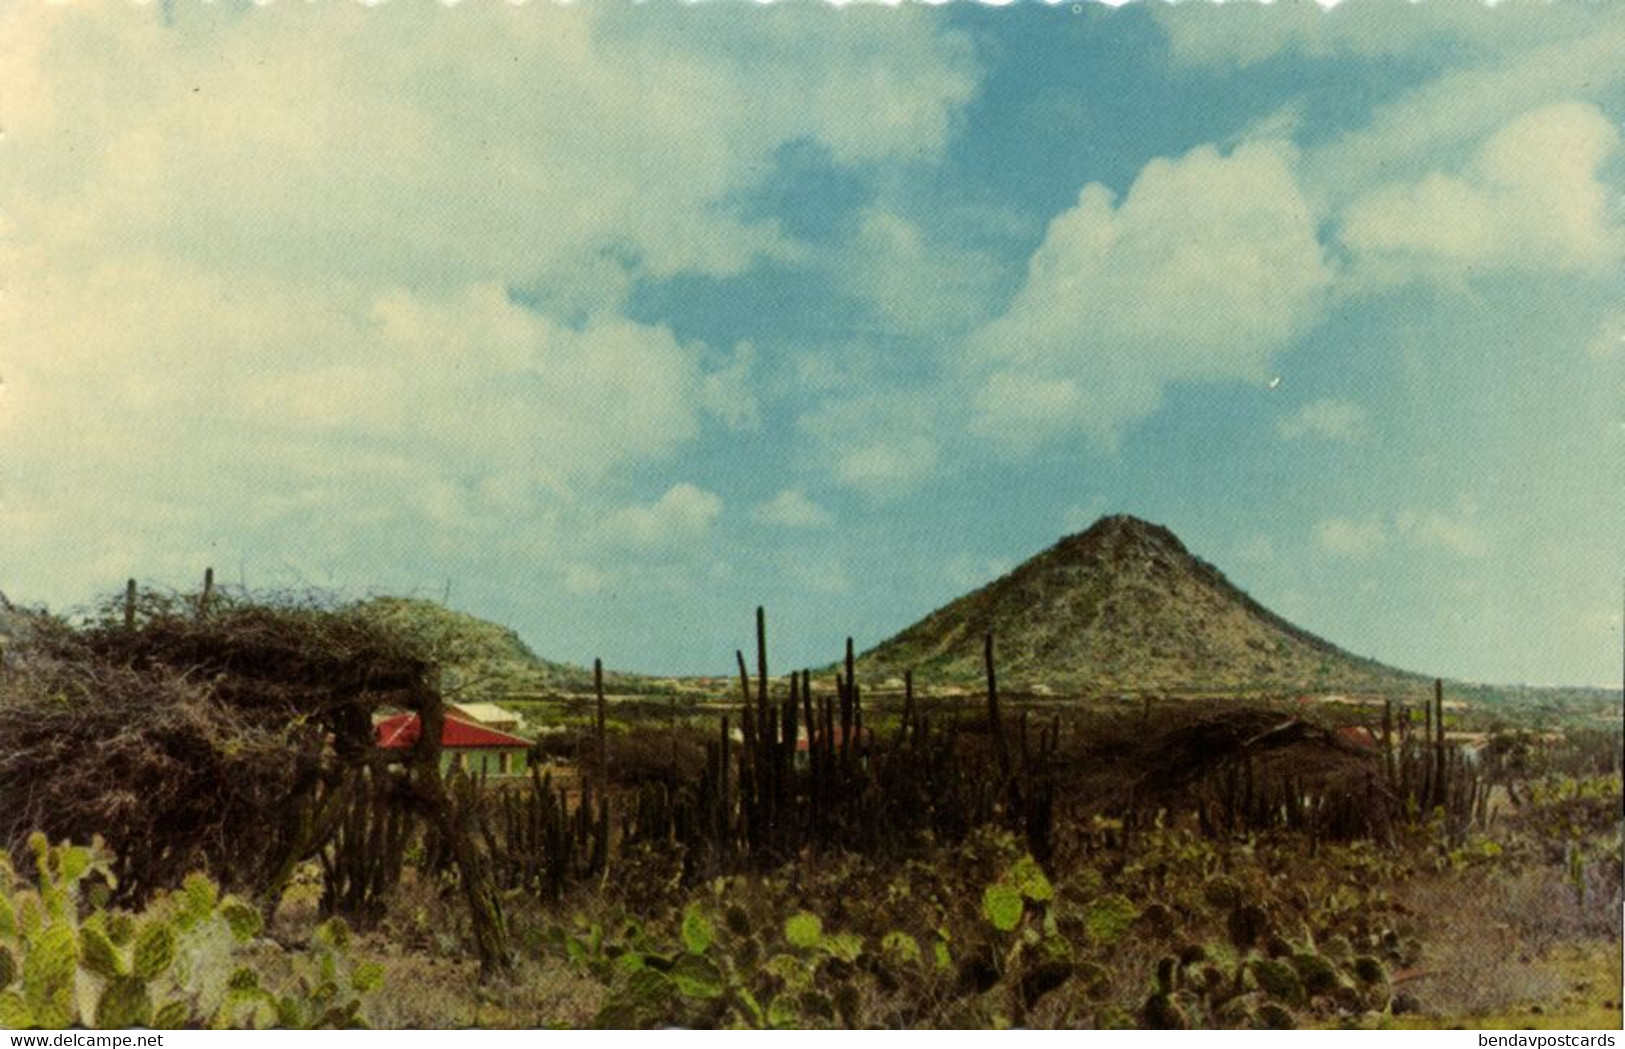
1124, 606
482, 660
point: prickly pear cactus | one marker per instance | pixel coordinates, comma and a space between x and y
1272, 1016
170, 966
1278, 980
1318, 975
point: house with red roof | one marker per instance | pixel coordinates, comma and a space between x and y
861, 739
465, 745
1360, 738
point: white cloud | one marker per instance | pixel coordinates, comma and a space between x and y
792, 509
1222, 36
584, 579
188, 418
682, 516
1327, 418
257, 304
1609, 345
1020, 409
402, 148
1460, 534
460, 383
882, 466
1530, 200
1206, 267
918, 283
1439, 123
729, 392
1347, 537
883, 443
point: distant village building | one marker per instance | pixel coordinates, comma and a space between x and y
861, 738
1359, 738
488, 714
464, 745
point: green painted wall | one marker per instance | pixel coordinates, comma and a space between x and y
486, 761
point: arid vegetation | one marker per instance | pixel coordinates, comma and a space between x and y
796, 850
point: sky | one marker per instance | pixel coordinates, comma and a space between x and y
611, 322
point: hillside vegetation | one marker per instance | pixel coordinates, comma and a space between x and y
240, 853
1124, 607
484, 661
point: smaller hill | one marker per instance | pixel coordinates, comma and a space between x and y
481, 660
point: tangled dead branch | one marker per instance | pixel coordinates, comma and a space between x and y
192, 738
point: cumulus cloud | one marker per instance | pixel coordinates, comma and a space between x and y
1460, 533
884, 443
682, 515
792, 508
1609, 345
729, 392
1204, 269
919, 284
403, 147
1328, 418
1348, 537
1503, 59
1438, 123
384, 439
1222, 36
365, 304
882, 466
193, 367
1530, 200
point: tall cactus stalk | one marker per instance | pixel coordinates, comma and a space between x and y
807, 709
827, 748
671, 729
908, 706
813, 711
761, 661
850, 717
603, 734
484, 905
995, 722
744, 677
843, 689
1427, 756
787, 747
747, 732
724, 801
1440, 780
1388, 741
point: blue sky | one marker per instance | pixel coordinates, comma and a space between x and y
621, 320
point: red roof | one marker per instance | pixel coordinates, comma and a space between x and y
859, 736
1358, 736
402, 731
